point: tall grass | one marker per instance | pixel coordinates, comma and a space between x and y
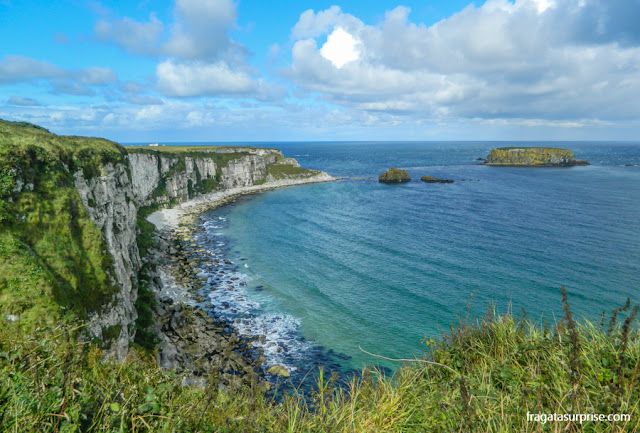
498, 369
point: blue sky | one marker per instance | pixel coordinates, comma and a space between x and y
250, 70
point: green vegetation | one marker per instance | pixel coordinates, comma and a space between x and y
53, 261
54, 270
286, 171
532, 156
394, 175
551, 149
191, 150
483, 376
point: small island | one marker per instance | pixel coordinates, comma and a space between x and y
430, 179
533, 157
394, 175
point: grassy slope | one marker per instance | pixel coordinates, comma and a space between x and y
489, 376
51, 253
286, 171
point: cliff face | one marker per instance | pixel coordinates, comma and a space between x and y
69, 208
156, 178
164, 178
108, 201
533, 156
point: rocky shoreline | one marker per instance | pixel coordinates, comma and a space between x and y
193, 342
190, 341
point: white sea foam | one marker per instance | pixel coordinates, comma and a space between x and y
276, 334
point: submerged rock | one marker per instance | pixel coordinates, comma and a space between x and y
429, 179
278, 370
394, 175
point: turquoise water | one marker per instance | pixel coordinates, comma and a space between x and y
327, 268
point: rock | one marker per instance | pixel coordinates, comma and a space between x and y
429, 179
533, 157
394, 175
278, 370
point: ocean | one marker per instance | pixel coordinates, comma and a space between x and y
325, 270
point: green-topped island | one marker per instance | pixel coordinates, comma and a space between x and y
533, 157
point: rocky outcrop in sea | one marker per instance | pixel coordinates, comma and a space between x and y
533, 157
430, 179
394, 175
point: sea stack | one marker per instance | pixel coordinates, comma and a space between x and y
533, 157
394, 175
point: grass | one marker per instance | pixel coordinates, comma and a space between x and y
528, 156
53, 261
493, 372
286, 171
190, 150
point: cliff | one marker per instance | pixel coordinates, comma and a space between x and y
533, 157
71, 226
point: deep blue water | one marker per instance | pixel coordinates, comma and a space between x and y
354, 263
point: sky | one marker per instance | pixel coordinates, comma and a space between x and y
251, 70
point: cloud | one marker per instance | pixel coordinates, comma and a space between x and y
22, 101
200, 30
531, 59
312, 24
61, 39
198, 57
16, 69
130, 35
184, 80
143, 100
96, 76
20, 69
340, 48
69, 87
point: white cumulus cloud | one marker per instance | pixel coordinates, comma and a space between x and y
575, 61
340, 48
194, 79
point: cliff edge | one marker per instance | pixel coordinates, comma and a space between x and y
72, 221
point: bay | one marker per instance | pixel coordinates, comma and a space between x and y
355, 263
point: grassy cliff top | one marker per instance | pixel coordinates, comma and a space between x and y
53, 261
195, 149
20, 138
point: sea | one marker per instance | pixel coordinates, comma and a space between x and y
325, 273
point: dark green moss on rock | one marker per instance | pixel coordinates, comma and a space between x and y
394, 175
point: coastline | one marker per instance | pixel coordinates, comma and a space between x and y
180, 285
171, 218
